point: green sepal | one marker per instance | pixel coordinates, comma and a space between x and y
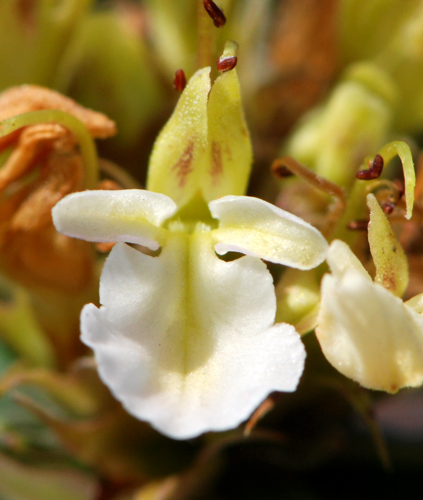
388, 256
205, 146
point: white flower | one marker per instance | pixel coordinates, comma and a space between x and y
186, 340
364, 330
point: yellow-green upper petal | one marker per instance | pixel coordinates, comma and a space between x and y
254, 227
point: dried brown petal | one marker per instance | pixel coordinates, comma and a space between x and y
25, 98
61, 174
31, 251
44, 259
34, 142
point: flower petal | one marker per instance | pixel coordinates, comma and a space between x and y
185, 341
402, 149
230, 152
416, 303
388, 255
369, 335
204, 150
341, 259
130, 215
255, 227
179, 154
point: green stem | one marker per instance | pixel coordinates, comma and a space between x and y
356, 209
73, 124
20, 330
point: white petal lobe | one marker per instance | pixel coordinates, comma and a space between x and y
260, 229
341, 259
370, 335
130, 215
185, 341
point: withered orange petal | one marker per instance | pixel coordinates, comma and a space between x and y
61, 174
18, 100
32, 143
47, 259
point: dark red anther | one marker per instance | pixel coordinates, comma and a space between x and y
358, 225
373, 172
180, 80
281, 171
215, 13
388, 207
226, 63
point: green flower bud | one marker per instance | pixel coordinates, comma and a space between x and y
355, 122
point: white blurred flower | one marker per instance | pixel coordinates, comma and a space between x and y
364, 330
